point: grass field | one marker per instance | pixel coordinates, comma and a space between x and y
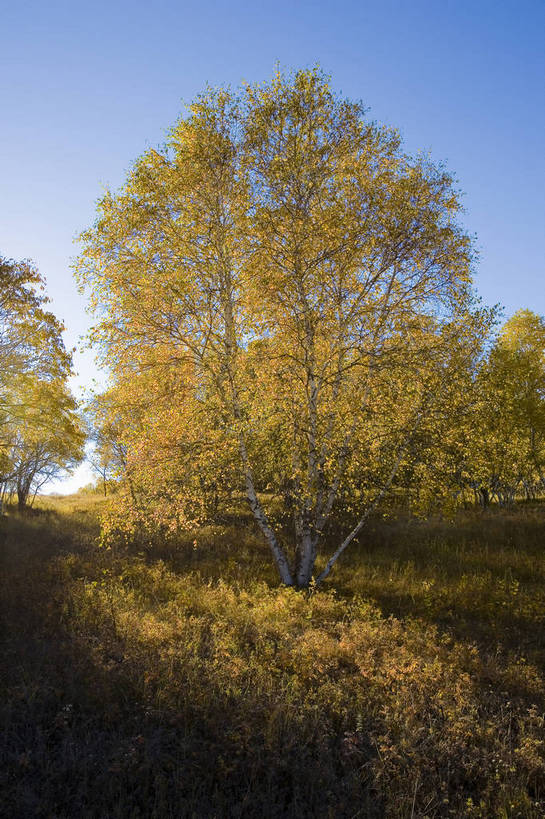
186, 683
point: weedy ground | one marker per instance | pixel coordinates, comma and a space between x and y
187, 684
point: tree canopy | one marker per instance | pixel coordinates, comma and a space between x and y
283, 298
40, 432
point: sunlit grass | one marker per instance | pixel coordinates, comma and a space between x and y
186, 683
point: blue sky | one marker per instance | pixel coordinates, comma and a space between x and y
86, 87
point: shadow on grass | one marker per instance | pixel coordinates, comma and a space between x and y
185, 683
481, 577
96, 724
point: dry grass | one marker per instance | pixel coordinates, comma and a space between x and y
143, 685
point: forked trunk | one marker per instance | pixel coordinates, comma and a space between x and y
260, 518
307, 557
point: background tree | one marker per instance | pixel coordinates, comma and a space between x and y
108, 456
40, 433
49, 441
30, 336
508, 454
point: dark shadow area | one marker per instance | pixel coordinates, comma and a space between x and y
90, 730
181, 681
480, 577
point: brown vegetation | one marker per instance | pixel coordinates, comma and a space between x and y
139, 685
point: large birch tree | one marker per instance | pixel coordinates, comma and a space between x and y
262, 283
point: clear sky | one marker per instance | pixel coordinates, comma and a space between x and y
85, 87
